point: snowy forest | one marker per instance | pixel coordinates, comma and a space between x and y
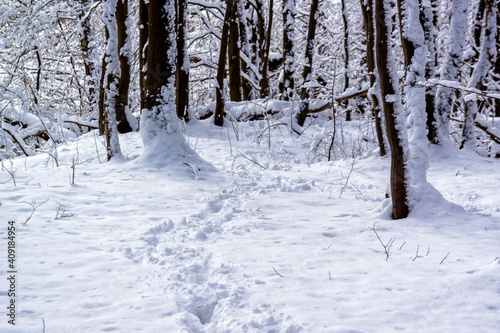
250, 166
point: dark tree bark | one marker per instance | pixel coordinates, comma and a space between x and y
478, 23
246, 86
85, 39
234, 54
393, 112
287, 86
143, 52
367, 10
346, 57
182, 71
497, 62
428, 20
221, 69
266, 45
306, 75
160, 63
102, 89
121, 107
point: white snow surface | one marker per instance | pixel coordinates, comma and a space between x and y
255, 239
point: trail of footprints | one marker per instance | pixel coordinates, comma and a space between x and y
209, 294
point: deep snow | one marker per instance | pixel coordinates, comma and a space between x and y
269, 239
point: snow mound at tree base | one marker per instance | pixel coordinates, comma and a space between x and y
171, 152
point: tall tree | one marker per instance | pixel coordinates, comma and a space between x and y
124, 51
183, 65
221, 68
246, 74
234, 53
428, 20
368, 25
111, 79
451, 67
266, 45
486, 58
289, 12
143, 51
159, 118
346, 56
393, 110
307, 73
415, 55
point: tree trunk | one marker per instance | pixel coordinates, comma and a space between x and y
245, 49
497, 64
346, 57
121, 107
415, 55
234, 54
451, 68
428, 20
182, 70
394, 117
367, 10
260, 39
85, 39
112, 78
102, 89
143, 52
481, 69
307, 74
221, 68
289, 12
264, 82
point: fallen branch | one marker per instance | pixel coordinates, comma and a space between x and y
483, 127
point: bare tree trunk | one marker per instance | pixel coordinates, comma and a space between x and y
260, 42
307, 74
497, 63
367, 10
346, 58
428, 21
121, 107
143, 52
264, 82
234, 54
159, 116
102, 89
245, 49
481, 69
182, 70
415, 55
478, 22
289, 12
112, 78
394, 117
85, 39
221, 69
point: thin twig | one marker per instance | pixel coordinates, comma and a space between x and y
34, 206
347, 180
277, 272
416, 254
10, 173
263, 167
444, 258
387, 247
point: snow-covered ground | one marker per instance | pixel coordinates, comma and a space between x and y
270, 240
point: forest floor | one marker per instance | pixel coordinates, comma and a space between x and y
273, 239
